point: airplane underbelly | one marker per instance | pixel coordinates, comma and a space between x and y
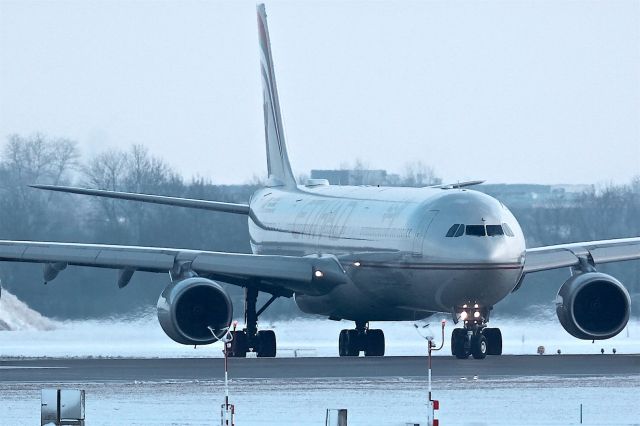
410, 291
438, 287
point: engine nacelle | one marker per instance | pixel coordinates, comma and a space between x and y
187, 308
593, 306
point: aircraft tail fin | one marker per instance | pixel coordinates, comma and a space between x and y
278, 166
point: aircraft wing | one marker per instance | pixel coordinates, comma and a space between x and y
155, 199
595, 252
278, 275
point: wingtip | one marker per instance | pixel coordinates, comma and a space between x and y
41, 186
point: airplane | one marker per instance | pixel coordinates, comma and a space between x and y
357, 253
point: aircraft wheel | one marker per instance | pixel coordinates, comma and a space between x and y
479, 346
266, 344
349, 343
375, 343
458, 338
342, 343
239, 345
494, 341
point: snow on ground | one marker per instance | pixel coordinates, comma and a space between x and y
370, 402
16, 315
30, 334
468, 401
143, 337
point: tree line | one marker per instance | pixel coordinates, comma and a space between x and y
31, 214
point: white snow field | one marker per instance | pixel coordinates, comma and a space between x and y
469, 401
370, 402
26, 333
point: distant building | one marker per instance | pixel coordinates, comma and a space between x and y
532, 195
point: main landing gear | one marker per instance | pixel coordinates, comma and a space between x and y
249, 339
475, 338
352, 342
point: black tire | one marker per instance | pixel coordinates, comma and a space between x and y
342, 343
458, 338
239, 345
479, 346
352, 343
375, 343
266, 344
494, 340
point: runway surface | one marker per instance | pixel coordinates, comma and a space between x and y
105, 370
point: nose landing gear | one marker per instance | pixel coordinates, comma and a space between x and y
475, 338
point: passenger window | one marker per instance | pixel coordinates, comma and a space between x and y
451, 232
476, 230
493, 230
460, 231
507, 230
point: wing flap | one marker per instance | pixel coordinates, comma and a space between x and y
266, 267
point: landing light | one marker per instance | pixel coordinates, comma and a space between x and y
475, 306
476, 314
318, 274
356, 263
464, 306
464, 315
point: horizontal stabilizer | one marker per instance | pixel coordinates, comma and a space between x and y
458, 184
156, 199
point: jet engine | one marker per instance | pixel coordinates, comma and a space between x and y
593, 306
187, 308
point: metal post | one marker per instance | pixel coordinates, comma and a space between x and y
430, 346
580, 413
433, 404
228, 410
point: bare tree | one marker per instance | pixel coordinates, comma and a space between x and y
29, 160
419, 174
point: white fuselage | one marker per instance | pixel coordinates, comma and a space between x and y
393, 244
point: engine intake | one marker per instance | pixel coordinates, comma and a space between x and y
187, 308
593, 306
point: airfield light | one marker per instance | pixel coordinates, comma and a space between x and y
464, 315
318, 274
356, 263
476, 314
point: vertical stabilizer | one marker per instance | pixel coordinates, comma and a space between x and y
278, 166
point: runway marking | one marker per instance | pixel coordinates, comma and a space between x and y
17, 367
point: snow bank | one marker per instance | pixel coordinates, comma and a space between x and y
141, 336
15, 315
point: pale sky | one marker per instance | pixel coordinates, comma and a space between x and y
507, 91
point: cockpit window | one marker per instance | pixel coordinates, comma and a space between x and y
475, 230
452, 231
507, 230
493, 230
457, 230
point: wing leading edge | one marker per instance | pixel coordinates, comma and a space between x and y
155, 199
280, 275
595, 252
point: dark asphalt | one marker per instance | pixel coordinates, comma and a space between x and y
100, 370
